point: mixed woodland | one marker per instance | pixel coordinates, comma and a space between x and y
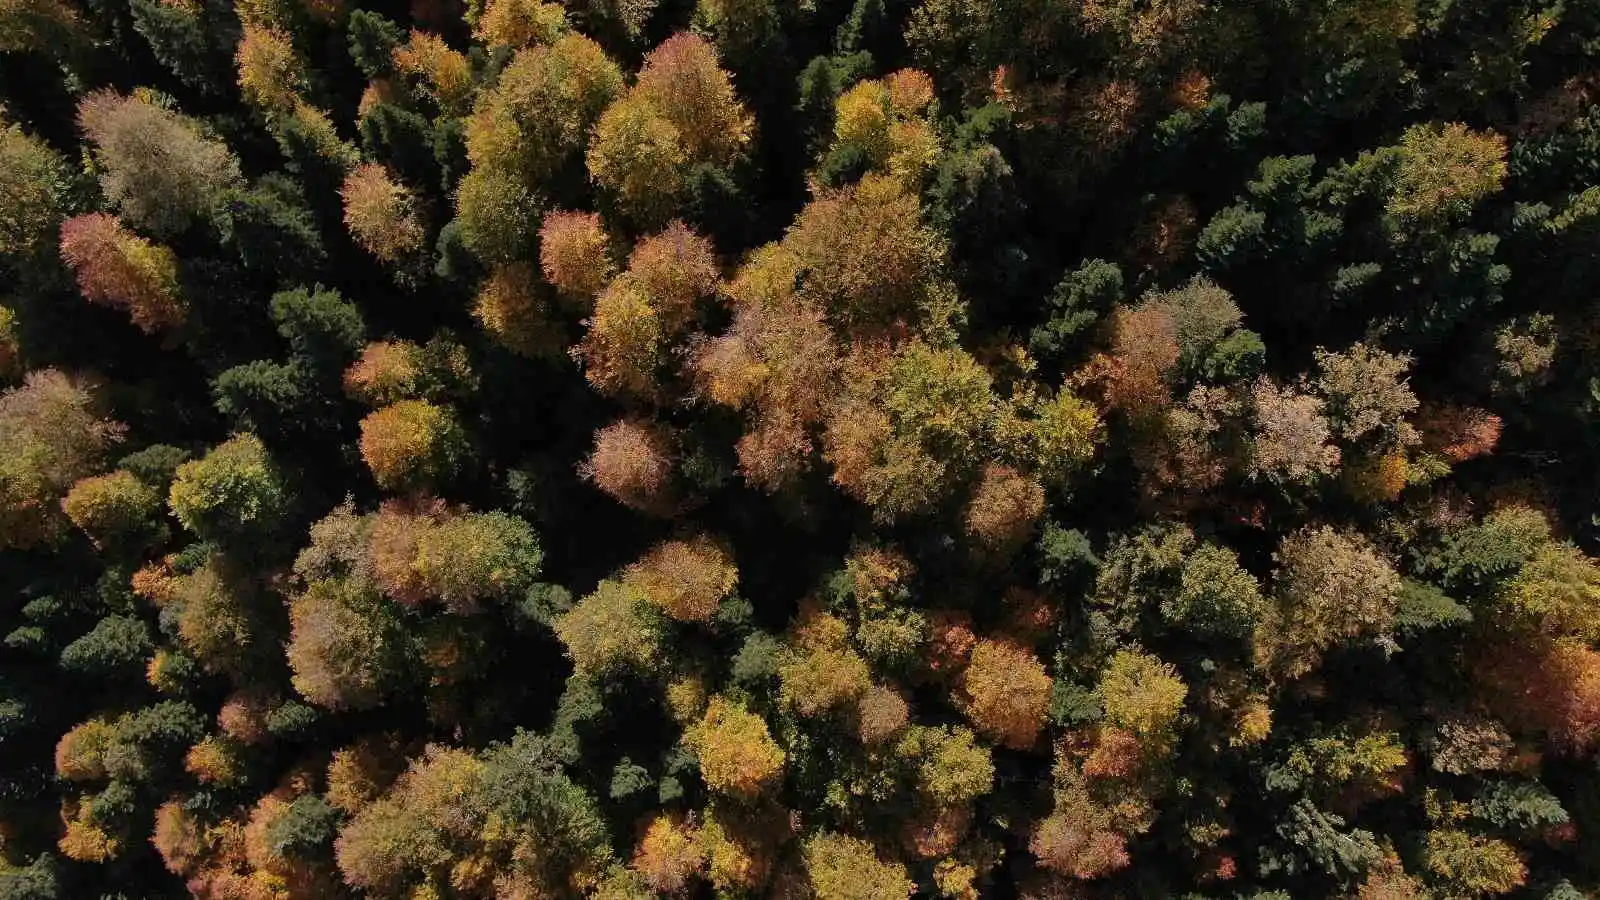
808, 449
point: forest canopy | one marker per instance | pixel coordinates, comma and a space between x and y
815, 450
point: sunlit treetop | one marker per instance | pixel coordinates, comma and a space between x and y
32, 180
888, 122
519, 23
444, 72
118, 268
55, 433
541, 110
736, 751
159, 168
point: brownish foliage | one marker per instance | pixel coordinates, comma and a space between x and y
881, 713
675, 269
1459, 433
1007, 692
950, 643
1549, 687
511, 309
1004, 508
688, 580
1144, 351
381, 213
575, 254
669, 854
632, 462
118, 268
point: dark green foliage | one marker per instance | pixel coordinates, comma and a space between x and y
1525, 807
155, 464
305, 830
292, 720
319, 325
1318, 840
117, 647
1078, 302
373, 40
1423, 606
271, 230
628, 779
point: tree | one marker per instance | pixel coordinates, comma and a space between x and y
386, 372
412, 444
381, 213
444, 73
221, 621
669, 855
1143, 695
54, 434
865, 255
841, 867
681, 112
120, 269
682, 80
1329, 588
492, 216
1290, 441
625, 345
232, 493
113, 508
512, 309
1365, 395
1007, 692
538, 115
1443, 171
115, 644
271, 75
464, 559
1473, 864
888, 123
159, 168
638, 155
519, 23
688, 580
907, 426
821, 672
632, 462
611, 630
1003, 510
736, 752
675, 269
1549, 687
952, 769
347, 645
32, 195
1556, 593
574, 253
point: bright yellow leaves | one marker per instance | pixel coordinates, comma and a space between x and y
737, 754
1142, 695
681, 112
889, 122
